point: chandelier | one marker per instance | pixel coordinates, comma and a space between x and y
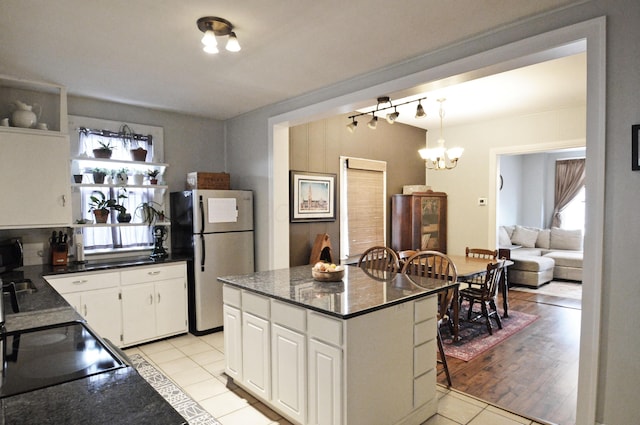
440, 158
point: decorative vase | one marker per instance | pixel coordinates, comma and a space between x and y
137, 179
101, 215
139, 154
24, 116
102, 153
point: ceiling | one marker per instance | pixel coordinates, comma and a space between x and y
148, 52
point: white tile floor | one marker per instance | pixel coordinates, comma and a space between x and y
196, 364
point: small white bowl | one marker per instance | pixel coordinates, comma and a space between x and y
335, 276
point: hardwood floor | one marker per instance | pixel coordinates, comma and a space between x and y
535, 371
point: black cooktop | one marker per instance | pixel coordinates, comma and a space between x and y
39, 358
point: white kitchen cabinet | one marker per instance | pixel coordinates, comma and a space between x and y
233, 341
35, 171
154, 302
256, 358
288, 353
137, 304
325, 384
96, 297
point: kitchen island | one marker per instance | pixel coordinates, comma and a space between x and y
117, 396
359, 351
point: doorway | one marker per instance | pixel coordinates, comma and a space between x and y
510, 56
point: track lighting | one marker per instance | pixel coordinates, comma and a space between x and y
373, 123
213, 27
420, 110
391, 117
352, 126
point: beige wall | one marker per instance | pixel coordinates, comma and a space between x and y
317, 147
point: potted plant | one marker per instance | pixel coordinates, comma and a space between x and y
99, 174
153, 176
121, 176
129, 139
137, 178
123, 215
104, 151
150, 212
99, 205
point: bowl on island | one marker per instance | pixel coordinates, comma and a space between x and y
325, 272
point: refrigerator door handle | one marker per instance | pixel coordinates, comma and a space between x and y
203, 252
201, 205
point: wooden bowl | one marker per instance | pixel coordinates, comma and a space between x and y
335, 276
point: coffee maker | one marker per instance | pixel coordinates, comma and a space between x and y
159, 236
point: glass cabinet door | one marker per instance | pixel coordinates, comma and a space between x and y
430, 231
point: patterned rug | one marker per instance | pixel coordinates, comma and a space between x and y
185, 405
474, 337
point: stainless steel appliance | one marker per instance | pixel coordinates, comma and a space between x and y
42, 357
214, 228
11, 254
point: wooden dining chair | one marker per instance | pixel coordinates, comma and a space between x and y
486, 294
436, 265
379, 258
481, 253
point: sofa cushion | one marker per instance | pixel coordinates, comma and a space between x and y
565, 239
503, 237
509, 230
524, 237
531, 264
566, 258
543, 240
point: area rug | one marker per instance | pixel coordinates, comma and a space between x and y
190, 410
474, 337
554, 288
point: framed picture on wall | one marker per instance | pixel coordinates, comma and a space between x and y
635, 152
312, 196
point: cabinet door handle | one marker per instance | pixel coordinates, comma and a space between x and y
157, 272
64, 201
85, 310
150, 299
79, 282
158, 298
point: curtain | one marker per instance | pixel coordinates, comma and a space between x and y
570, 176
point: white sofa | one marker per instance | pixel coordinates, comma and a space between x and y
541, 255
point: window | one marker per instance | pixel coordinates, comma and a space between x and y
362, 206
572, 216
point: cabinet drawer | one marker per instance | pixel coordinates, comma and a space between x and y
424, 388
424, 331
152, 273
255, 304
231, 296
78, 282
325, 329
425, 308
424, 358
289, 316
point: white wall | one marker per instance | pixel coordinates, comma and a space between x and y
470, 180
508, 208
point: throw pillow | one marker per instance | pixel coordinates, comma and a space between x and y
509, 230
566, 239
543, 240
524, 237
503, 237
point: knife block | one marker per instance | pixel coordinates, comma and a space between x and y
59, 256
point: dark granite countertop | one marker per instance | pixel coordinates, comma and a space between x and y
120, 396
360, 291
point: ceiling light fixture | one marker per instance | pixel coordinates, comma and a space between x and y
213, 27
420, 110
352, 126
391, 117
440, 158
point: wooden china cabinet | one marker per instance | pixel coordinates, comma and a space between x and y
419, 221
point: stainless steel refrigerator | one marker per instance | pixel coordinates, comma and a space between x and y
214, 230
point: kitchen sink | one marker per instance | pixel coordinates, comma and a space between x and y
23, 286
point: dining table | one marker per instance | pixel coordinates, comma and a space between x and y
471, 267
